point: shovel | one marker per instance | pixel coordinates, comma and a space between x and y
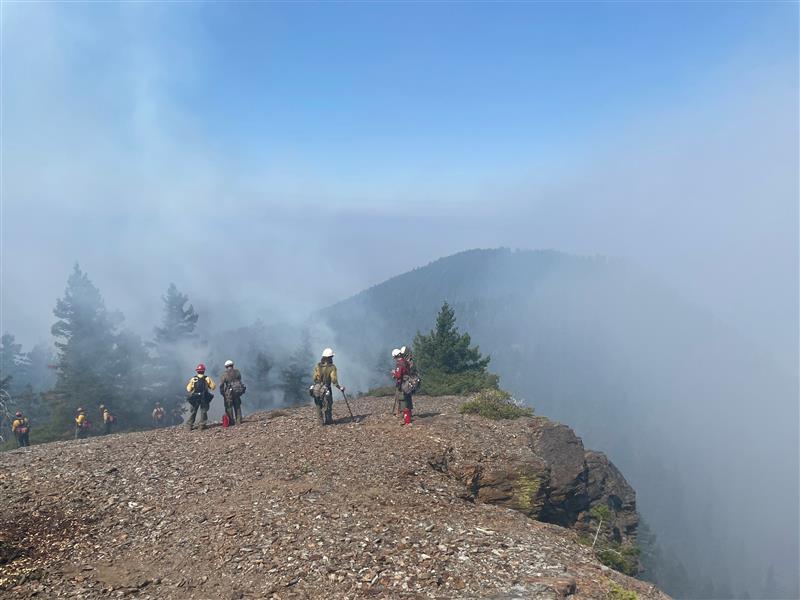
347, 404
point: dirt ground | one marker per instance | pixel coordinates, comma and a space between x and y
280, 507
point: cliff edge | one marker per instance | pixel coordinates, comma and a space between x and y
451, 507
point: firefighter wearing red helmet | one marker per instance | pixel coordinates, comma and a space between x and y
21, 428
199, 390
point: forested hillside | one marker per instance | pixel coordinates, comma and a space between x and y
684, 405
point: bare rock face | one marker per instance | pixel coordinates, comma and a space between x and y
543, 470
280, 507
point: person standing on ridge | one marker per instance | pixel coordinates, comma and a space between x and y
200, 396
396, 405
406, 381
21, 427
82, 425
159, 415
232, 389
325, 376
108, 418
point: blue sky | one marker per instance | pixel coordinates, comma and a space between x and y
660, 132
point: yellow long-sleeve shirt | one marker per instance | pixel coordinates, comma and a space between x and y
326, 374
209, 382
18, 422
80, 419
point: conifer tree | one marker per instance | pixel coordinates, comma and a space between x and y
86, 335
296, 375
446, 350
11, 361
259, 370
447, 361
178, 321
172, 340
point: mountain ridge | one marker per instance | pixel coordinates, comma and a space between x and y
279, 507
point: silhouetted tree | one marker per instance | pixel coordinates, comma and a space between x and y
178, 321
86, 340
296, 375
447, 361
171, 341
445, 349
259, 383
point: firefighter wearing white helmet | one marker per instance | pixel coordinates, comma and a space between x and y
325, 376
396, 355
232, 390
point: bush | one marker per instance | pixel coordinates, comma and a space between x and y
620, 593
495, 404
439, 383
622, 559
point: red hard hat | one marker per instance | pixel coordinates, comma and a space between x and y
201, 368
19, 413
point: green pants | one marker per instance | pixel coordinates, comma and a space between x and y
203, 406
324, 408
233, 408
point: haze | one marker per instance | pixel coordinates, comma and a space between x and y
271, 159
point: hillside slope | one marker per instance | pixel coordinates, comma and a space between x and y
281, 507
661, 386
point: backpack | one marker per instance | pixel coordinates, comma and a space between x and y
237, 388
410, 384
112, 418
320, 390
200, 391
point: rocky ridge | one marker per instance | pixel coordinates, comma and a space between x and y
279, 507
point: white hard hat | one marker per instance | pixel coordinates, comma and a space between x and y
228, 363
327, 353
395, 352
403, 350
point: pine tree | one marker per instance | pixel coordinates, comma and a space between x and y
178, 320
38, 369
447, 361
12, 361
259, 370
445, 349
296, 375
173, 339
86, 335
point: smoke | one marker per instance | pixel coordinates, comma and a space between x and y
108, 162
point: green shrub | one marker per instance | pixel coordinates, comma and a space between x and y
622, 559
620, 593
439, 383
495, 404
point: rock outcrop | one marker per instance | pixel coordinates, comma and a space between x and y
281, 508
542, 469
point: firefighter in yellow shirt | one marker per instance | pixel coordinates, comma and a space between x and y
325, 375
200, 396
108, 418
21, 428
82, 425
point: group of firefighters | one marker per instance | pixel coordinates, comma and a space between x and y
200, 387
